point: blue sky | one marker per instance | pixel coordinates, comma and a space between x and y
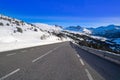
87, 13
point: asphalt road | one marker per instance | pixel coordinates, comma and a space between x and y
60, 61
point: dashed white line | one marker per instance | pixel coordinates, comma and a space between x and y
89, 75
78, 55
13, 72
44, 55
11, 54
16, 53
82, 62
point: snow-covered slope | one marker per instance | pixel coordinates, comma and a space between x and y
93, 41
16, 34
12, 29
50, 28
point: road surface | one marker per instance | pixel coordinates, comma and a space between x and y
60, 61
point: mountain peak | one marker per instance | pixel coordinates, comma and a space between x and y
78, 29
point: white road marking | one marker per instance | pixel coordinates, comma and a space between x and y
44, 54
11, 54
89, 75
4, 77
82, 62
16, 53
78, 55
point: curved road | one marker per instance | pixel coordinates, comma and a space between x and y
60, 61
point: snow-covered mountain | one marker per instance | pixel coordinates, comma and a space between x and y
16, 33
78, 29
110, 31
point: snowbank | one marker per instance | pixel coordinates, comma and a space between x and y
7, 46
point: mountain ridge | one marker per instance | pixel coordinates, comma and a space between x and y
110, 31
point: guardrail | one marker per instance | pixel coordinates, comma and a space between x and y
104, 54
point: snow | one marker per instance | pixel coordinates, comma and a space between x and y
47, 27
24, 44
87, 31
11, 39
26, 39
99, 38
